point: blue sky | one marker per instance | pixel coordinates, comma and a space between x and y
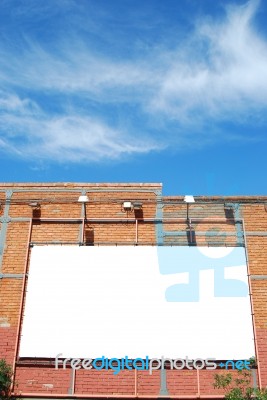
135, 91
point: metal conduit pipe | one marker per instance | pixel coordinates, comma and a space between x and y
22, 301
112, 396
182, 220
252, 307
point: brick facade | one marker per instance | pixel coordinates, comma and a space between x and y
162, 220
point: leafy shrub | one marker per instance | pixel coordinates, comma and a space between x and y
239, 388
5, 380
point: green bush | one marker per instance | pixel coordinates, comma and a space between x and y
5, 380
239, 388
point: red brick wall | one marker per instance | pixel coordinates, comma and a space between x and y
105, 202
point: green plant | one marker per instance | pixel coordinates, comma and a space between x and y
239, 388
5, 380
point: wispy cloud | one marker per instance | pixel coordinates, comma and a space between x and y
223, 72
32, 133
71, 102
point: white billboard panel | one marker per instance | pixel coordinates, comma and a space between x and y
137, 301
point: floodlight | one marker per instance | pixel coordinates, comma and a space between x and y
83, 199
189, 199
127, 205
34, 204
137, 205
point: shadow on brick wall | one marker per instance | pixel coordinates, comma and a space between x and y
89, 236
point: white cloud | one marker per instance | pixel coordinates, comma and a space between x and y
219, 73
13, 103
223, 72
32, 134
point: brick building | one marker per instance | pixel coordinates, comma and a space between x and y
36, 215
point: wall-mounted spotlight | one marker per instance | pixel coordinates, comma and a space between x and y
137, 205
34, 204
36, 209
83, 199
127, 206
138, 210
229, 210
189, 199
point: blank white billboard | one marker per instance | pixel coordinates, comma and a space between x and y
137, 301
